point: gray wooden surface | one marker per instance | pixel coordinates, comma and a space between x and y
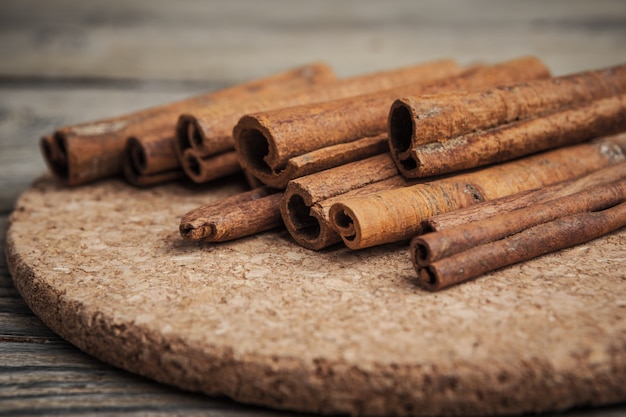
65, 62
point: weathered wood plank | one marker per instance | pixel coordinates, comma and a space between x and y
238, 39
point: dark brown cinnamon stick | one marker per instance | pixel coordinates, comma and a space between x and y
266, 141
94, 150
243, 214
487, 209
150, 162
203, 169
210, 130
415, 122
530, 243
432, 247
565, 127
395, 215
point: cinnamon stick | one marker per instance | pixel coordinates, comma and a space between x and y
432, 247
90, 151
209, 130
267, 140
530, 243
203, 169
565, 127
150, 162
303, 210
395, 215
487, 209
415, 122
234, 217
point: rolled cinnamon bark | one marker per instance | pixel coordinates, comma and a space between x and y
203, 169
266, 141
530, 243
209, 130
151, 162
302, 208
395, 215
565, 127
487, 209
94, 150
421, 120
234, 217
432, 247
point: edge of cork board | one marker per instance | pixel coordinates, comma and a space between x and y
264, 321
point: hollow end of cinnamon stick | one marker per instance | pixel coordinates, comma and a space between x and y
420, 252
402, 129
198, 229
299, 220
253, 146
342, 220
428, 278
188, 134
136, 154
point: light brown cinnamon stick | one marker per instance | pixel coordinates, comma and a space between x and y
395, 215
210, 130
90, 151
432, 247
240, 215
303, 210
267, 140
530, 243
415, 122
487, 209
565, 127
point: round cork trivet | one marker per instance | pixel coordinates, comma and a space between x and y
267, 322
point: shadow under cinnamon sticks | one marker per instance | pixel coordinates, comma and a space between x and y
442, 259
90, 151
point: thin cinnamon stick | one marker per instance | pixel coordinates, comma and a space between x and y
530, 243
487, 209
267, 140
431, 247
234, 217
203, 169
415, 122
139, 172
303, 213
94, 150
395, 215
210, 130
565, 127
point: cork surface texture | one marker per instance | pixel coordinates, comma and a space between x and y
267, 322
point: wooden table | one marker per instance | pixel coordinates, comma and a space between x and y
66, 62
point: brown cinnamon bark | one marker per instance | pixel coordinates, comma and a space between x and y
487, 209
209, 130
432, 247
94, 150
421, 120
303, 210
243, 214
266, 141
565, 127
395, 215
548, 237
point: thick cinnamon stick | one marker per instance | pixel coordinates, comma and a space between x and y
266, 141
94, 150
530, 243
302, 208
234, 217
487, 209
421, 120
209, 130
395, 215
431, 247
565, 127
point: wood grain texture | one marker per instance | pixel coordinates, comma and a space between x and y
69, 62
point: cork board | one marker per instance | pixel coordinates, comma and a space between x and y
266, 322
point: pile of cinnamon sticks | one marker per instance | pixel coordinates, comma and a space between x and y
479, 167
